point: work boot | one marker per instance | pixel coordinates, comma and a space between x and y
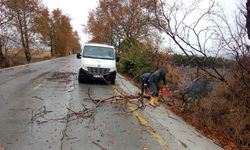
156, 101
152, 102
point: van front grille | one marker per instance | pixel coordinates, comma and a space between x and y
98, 71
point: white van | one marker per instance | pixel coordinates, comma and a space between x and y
98, 61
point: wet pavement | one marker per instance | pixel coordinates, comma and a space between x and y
37, 102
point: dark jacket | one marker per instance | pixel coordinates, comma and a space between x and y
155, 79
144, 81
158, 75
145, 77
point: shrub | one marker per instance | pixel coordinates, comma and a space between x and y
135, 60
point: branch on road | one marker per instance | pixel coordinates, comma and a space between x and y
98, 145
132, 99
85, 113
40, 113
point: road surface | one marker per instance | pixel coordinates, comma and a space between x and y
39, 105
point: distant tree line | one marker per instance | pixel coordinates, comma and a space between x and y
27, 24
208, 62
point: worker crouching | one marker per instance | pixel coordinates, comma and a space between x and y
144, 83
154, 84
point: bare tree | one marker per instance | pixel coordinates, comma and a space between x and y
5, 18
232, 36
200, 31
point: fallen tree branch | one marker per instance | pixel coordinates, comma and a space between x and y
40, 113
127, 98
98, 145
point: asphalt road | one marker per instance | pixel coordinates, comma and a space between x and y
40, 102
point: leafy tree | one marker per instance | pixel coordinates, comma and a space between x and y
74, 44
56, 32
44, 27
24, 13
114, 20
59, 29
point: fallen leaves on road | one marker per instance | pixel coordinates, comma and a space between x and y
1, 148
61, 76
91, 127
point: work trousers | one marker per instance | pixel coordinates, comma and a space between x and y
144, 85
154, 88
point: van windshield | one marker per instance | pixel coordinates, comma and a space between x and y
98, 52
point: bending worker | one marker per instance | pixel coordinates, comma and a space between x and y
154, 84
144, 82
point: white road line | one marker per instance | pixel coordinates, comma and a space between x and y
36, 87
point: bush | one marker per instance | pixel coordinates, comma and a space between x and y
173, 75
230, 117
221, 110
135, 61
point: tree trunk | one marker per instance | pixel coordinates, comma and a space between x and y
27, 47
27, 55
24, 36
51, 47
2, 58
248, 18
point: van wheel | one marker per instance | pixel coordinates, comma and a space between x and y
80, 78
112, 81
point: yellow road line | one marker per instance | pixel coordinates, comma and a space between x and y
144, 122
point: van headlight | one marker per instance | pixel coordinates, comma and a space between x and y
84, 67
112, 69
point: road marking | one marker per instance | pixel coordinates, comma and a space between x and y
68, 65
36, 87
144, 122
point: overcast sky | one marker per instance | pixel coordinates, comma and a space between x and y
78, 11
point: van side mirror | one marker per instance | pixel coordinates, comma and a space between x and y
78, 56
117, 59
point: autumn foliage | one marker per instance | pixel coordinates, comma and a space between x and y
56, 31
28, 25
114, 20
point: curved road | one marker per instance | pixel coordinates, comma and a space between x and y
39, 104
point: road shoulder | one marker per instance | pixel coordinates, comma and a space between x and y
165, 122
